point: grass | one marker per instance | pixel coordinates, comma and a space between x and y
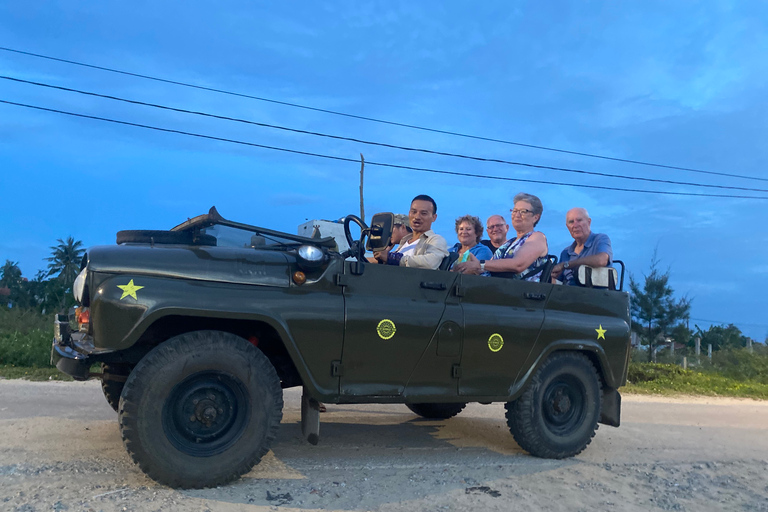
670, 380
32, 373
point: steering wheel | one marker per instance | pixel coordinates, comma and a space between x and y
355, 246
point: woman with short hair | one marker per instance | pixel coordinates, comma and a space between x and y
469, 230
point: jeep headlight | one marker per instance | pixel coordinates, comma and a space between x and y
311, 257
79, 285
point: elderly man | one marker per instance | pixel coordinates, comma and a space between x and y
497, 232
591, 249
423, 248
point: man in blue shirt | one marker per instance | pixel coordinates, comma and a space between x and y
591, 249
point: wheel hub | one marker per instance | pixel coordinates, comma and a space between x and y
206, 413
561, 404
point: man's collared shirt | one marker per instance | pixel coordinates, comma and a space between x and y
595, 244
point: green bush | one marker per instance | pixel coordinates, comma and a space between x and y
25, 338
647, 372
741, 365
669, 379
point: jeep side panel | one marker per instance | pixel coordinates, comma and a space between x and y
392, 315
502, 319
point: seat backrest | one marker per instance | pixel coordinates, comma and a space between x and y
600, 277
448, 261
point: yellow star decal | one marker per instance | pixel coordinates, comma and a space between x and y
129, 289
601, 332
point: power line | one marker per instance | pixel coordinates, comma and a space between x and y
381, 144
380, 164
371, 119
727, 323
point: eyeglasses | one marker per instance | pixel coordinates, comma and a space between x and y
496, 226
520, 212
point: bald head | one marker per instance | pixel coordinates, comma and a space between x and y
579, 224
497, 229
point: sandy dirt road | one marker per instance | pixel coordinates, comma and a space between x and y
60, 449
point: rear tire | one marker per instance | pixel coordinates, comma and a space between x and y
437, 411
201, 409
557, 414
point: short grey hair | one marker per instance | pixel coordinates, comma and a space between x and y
538, 208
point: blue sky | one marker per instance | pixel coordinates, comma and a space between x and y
679, 83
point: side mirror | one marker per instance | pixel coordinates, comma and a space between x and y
380, 232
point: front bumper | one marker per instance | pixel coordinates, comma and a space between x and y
70, 352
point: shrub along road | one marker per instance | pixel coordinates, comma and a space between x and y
60, 449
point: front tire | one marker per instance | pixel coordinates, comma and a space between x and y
437, 411
113, 381
557, 414
200, 410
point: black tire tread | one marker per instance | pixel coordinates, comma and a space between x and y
521, 422
112, 389
168, 352
437, 411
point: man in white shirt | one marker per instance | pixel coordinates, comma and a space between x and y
423, 248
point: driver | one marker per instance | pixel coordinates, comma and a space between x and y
422, 248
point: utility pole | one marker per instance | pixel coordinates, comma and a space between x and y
362, 207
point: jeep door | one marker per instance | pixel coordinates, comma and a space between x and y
391, 316
502, 320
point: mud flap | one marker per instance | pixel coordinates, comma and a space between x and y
310, 418
610, 414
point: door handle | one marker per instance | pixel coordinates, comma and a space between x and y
433, 286
535, 296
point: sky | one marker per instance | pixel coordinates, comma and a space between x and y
676, 83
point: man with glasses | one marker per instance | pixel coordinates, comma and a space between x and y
591, 249
497, 232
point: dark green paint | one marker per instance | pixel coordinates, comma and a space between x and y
440, 350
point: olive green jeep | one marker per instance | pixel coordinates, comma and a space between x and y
199, 328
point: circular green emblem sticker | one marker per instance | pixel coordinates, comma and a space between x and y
386, 329
495, 342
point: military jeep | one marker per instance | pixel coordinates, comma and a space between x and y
197, 330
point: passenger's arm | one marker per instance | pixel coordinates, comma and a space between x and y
436, 250
534, 247
602, 259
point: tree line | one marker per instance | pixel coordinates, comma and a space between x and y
660, 319
51, 289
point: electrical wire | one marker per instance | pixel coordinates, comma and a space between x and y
380, 144
371, 119
379, 164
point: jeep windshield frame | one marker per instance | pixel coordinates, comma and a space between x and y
213, 218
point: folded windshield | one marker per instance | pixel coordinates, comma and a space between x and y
236, 234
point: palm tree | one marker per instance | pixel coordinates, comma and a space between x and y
10, 274
65, 260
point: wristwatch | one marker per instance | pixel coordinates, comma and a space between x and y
566, 264
482, 265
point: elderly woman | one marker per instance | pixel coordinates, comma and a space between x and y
520, 254
470, 230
